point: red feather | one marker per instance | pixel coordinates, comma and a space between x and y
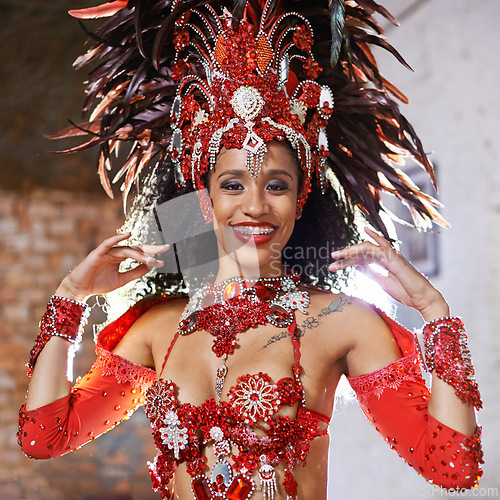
105, 10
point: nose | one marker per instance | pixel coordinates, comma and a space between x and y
255, 203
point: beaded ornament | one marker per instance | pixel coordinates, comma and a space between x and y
447, 354
64, 318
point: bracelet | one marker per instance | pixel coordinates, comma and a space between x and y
64, 318
447, 353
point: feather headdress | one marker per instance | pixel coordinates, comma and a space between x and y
180, 79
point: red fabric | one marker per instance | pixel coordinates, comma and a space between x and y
395, 400
110, 392
96, 404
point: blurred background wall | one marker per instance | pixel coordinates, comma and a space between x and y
53, 212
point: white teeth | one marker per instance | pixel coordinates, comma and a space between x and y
254, 230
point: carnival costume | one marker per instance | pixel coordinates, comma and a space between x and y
394, 398
179, 87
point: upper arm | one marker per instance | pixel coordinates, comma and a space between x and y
137, 345
371, 343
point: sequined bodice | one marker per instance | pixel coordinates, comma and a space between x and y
248, 421
245, 429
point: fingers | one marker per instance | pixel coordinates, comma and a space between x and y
154, 249
121, 253
377, 251
379, 239
109, 243
142, 253
357, 255
133, 274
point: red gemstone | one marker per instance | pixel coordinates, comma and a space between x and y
280, 315
208, 300
240, 489
201, 488
264, 292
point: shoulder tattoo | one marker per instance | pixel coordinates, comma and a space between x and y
311, 322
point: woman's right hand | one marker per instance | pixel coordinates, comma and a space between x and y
99, 272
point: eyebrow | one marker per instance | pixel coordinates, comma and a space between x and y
240, 172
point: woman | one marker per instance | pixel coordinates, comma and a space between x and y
243, 412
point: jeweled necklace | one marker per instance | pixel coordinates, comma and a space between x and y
235, 305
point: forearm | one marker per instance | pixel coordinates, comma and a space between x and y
446, 355
59, 418
52, 374
446, 407
395, 400
51, 358
102, 398
431, 432
444, 404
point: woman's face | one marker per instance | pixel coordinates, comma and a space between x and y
254, 217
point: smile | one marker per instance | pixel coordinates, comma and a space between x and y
254, 230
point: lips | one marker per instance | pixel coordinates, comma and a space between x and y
258, 233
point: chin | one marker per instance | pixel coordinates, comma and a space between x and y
253, 253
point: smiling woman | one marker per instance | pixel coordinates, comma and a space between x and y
238, 379
254, 216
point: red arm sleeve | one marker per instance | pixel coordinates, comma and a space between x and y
109, 393
395, 400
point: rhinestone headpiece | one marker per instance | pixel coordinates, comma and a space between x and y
181, 79
246, 99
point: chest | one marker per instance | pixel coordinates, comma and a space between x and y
193, 365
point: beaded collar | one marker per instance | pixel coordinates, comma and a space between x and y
235, 305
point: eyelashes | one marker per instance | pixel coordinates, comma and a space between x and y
231, 185
277, 185
274, 185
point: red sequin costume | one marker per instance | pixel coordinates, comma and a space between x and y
178, 81
394, 398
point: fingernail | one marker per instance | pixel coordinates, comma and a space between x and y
152, 262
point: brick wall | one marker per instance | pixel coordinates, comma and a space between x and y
43, 235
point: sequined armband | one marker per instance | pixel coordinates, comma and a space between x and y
64, 318
447, 354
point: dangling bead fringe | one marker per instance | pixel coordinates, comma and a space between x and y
267, 476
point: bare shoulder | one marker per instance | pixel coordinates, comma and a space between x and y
162, 319
340, 311
355, 329
161, 313
372, 343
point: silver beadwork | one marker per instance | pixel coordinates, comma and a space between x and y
174, 436
247, 102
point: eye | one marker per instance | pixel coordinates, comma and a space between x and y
277, 185
231, 185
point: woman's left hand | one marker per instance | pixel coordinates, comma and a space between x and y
402, 282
